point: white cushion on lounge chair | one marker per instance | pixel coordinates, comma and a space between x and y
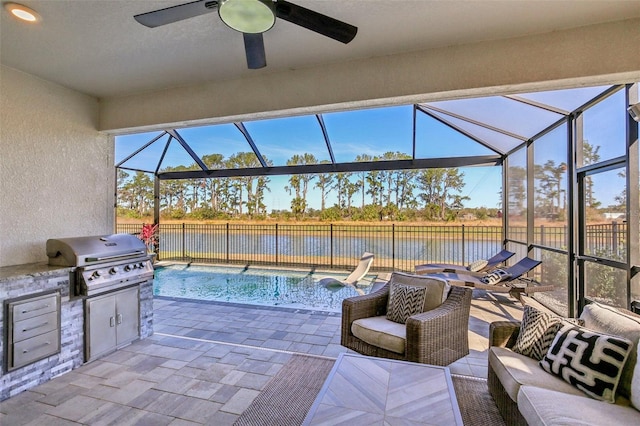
477, 266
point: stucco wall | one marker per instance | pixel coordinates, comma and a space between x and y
56, 169
593, 55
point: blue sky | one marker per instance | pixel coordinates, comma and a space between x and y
371, 132
378, 130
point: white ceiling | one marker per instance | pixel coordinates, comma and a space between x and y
96, 47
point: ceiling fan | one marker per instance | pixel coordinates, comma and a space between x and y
252, 18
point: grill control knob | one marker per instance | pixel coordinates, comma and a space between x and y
127, 268
96, 273
113, 270
141, 265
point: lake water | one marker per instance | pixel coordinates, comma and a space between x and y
256, 286
406, 249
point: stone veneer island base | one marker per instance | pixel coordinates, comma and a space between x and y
23, 281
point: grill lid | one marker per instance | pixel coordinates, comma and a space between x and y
84, 251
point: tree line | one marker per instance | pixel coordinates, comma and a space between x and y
425, 194
430, 194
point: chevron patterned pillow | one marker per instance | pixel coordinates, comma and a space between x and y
588, 360
537, 332
405, 301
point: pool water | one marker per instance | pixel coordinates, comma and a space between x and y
256, 286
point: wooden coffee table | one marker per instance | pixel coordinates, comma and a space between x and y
367, 390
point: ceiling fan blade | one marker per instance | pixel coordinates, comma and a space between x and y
176, 13
254, 48
314, 21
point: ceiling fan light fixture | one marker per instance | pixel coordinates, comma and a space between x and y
247, 16
22, 12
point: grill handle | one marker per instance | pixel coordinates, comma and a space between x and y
117, 256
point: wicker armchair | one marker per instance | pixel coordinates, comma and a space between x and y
437, 337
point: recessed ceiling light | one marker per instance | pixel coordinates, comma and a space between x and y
22, 12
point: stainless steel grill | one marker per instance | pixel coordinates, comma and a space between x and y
103, 263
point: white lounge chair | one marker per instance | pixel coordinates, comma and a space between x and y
361, 270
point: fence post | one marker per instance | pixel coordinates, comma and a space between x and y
184, 242
614, 237
541, 234
277, 244
331, 245
157, 247
227, 249
463, 246
393, 246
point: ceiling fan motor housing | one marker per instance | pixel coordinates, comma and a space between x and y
247, 16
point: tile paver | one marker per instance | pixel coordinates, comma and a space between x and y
206, 363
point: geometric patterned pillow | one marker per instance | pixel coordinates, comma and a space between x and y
588, 360
495, 277
405, 301
477, 266
537, 331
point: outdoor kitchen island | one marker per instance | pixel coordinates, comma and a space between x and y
41, 297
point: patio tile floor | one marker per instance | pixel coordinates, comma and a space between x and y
206, 363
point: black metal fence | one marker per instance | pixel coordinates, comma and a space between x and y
607, 240
396, 247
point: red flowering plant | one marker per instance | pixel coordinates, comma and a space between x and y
149, 235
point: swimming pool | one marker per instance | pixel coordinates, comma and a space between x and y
254, 286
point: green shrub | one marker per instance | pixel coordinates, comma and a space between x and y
331, 214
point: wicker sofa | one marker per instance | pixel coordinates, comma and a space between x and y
526, 394
438, 336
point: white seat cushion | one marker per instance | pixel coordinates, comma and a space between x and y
515, 370
541, 406
380, 332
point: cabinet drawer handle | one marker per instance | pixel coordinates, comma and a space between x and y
119, 317
35, 327
24, 311
112, 322
24, 351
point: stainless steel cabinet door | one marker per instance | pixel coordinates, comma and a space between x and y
100, 326
127, 315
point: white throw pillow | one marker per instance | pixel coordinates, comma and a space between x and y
477, 266
588, 360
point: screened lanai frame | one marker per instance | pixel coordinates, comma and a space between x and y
579, 262
506, 144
